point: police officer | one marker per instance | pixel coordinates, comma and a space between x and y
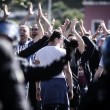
12, 95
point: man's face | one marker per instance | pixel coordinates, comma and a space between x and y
34, 31
24, 32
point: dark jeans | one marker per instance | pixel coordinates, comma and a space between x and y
55, 107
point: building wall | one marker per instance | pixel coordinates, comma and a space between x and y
96, 12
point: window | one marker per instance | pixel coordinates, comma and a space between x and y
109, 24
94, 25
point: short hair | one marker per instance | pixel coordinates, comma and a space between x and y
35, 25
56, 34
24, 26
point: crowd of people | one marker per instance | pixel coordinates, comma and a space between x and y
43, 68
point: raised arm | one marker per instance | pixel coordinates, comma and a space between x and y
44, 73
38, 21
66, 31
82, 27
6, 12
99, 30
30, 12
53, 22
47, 23
33, 48
81, 45
105, 30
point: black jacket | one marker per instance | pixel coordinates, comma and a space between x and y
37, 73
90, 57
12, 90
33, 48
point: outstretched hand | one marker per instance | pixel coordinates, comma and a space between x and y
6, 11
105, 30
73, 23
103, 25
40, 14
67, 21
81, 23
99, 29
63, 27
53, 22
31, 9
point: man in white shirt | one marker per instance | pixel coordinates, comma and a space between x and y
54, 92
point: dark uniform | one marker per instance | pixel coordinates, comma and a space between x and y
12, 95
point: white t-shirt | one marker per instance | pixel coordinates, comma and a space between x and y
48, 54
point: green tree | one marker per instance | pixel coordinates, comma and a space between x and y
61, 11
73, 13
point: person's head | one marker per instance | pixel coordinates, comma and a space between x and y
73, 40
106, 54
9, 30
24, 33
56, 38
34, 30
71, 37
101, 41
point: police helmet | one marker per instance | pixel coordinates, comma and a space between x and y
10, 30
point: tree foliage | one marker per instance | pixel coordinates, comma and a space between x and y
61, 9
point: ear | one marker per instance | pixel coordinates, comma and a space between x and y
56, 40
37, 62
